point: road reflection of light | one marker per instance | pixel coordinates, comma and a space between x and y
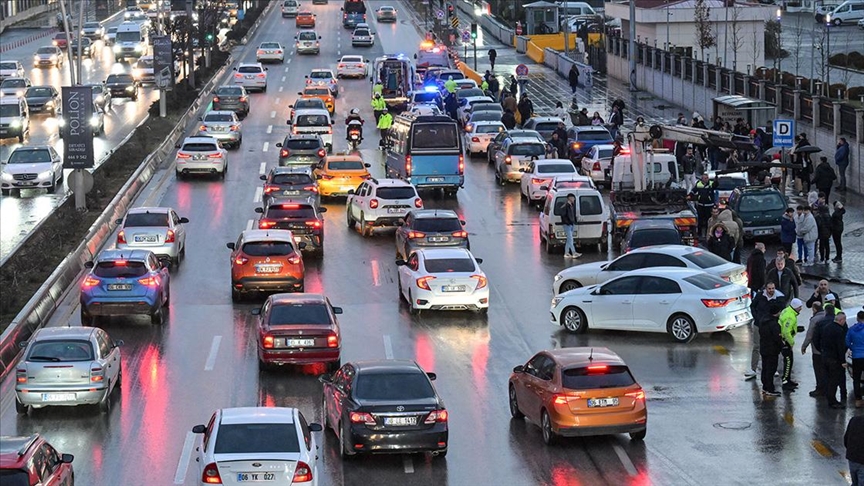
640, 479
424, 352
479, 360
95, 460
217, 200
153, 433
183, 198
564, 475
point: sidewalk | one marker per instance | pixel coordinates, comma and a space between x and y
546, 88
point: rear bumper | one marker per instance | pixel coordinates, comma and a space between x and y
307, 50
601, 430
200, 167
268, 284
535, 193
376, 441
114, 307
229, 137
235, 107
435, 182
389, 220
298, 356
478, 299
34, 397
569, 424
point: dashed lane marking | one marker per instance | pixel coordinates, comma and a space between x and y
822, 448
214, 351
249, 224
625, 459
265, 147
269, 128
388, 347
183, 464
281, 88
258, 193
263, 167
272, 114
277, 101
408, 464
283, 78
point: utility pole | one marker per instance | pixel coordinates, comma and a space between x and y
632, 47
80, 38
191, 57
68, 40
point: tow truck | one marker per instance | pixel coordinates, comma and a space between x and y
430, 55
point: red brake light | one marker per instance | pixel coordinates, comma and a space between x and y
436, 416
537, 181
314, 224
234, 128
264, 224
279, 51
202, 128
90, 281
310, 188
21, 375
294, 259
326, 177
97, 374
259, 52
637, 395
415, 234
290, 206
596, 166
475, 139
181, 155
408, 165
598, 368
267, 342
302, 473
361, 418
238, 75
240, 260
340, 65
461, 164
481, 281
418, 203
284, 152
121, 237
211, 474
373, 203
215, 99
423, 282
169, 237
460, 234
215, 156
243, 99
269, 189
560, 400
262, 75
332, 341
715, 303
149, 281
322, 153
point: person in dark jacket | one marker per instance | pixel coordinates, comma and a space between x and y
756, 266
853, 440
561, 130
790, 263
832, 344
508, 119
823, 226
787, 230
824, 177
514, 86
820, 317
784, 279
584, 119
770, 344
720, 242
568, 219
820, 294
703, 196
451, 106
494, 86
526, 108
841, 159
837, 232
493, 54
760, 308
573, 78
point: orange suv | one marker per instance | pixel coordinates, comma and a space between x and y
304, 18
321, 92
574, 392
32, 460
266, 260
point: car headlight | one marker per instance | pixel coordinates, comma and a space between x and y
138, 48
94, 121
130, 88
15, 123
558, 277
35, 58
19, 93
61, 122
556, 301
117, 48
99, 99
44, 175
6, 177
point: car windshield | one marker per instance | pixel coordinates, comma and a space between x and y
307, 36
395, 192
489, 128
486, 106
291, 179
760, 203
9, 109
302, 144
268, 248
112, 30
448, 265
598, 376
132, 36
14, 477
120, 78
42, 50
321, 75
61, 350
144, 63
593, 136
249, 69
705, 281
307, 313
12, 65
312, 120
291, 211
270, 45
345, 165
91, 25
218, 117
199, 147
393, 386
136, 220
704, 259
426, 97
527, 149
256, 438
730, 183
437, 225
229, 91
120, 269
356, 59
29, 157
60, 37
659, 236
435, 136
13, 83
556, 169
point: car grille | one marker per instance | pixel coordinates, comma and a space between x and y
24, 177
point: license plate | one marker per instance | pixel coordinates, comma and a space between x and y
602, 402
26, 183
300, 343
434, 179
741, 317
395, 210
58, 397
249, 76
763, 232
119, 286
255, 477
217, 129
438, 239
290, 193
146, 239
268, 268
453, 288
400, 421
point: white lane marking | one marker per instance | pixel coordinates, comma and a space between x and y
408, 464
258, 193
376, 280
249, 224
265, 147
289, 61
269, 128
338, 52
262, 168
283, 78
625, 459
278, 100
183, 464
388, 347
272, 114
214, 351
281, 88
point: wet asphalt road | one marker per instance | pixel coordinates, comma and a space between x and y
706, 425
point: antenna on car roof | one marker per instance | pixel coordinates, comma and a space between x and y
591, 355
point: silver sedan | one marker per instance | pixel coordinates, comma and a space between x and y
223, 126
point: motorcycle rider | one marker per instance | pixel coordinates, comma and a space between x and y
354, 116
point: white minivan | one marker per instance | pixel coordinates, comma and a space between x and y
592, 218
315, 121
848, 12
290, 8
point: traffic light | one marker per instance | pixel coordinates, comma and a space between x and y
449, 10
473, 30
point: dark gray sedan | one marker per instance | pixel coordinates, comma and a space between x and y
42, 99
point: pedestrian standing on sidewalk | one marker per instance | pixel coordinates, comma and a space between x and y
573, 78
824, 177
493, 54
526, 108
568, 219
770, 344
787, 230
756, 267
688, 168
788, 329
761, 309
821, 293
833, 346
823, 226
837, 231
841, 159
816, 322
799, 234
808, 231
855, 343
853, 440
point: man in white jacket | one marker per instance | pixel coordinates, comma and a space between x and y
806, 229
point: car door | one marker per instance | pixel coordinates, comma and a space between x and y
308, 441
202, 449
164, 275
545, 214
535, 382
655, 299
179, 230
342, 395
621, 265
353, 202
408, 273
56, 163
612, 303
56, 473
526, 177
108, 355
330, 396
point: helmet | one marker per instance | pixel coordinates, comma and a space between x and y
377, 95
355, 111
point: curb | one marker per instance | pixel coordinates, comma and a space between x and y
28, 39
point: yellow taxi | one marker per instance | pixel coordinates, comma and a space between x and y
322, 92
338, 174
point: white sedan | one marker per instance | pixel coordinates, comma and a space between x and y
270, 52
251, 76
465, 104
257, 444
538, 177
443, 279
352, 66
324, 77
480, 134
673, 256
679, 301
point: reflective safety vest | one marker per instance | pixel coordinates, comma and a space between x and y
377, 88
385, 121
378, 104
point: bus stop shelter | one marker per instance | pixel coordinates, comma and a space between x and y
757, 113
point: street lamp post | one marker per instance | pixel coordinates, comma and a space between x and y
779, 54
827, 54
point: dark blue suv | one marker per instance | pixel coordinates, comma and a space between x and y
582, 138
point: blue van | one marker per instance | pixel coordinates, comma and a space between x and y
426, 151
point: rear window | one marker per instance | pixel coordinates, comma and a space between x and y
556, 169
546, 127
12, 65
345, 165
704, 259
287, 314
292, 179
308, 103
446, 265
658, 236
437, 225
468, 92
527, 149
425, 97
199, 147
758, 203
249, 69
706, 282
489, 128
270, 45
395, 386
603, 153
435, 136
486, 116
218, 117
14, 477
321, 75
357, 59
256, 439
317, 92
486, 106
307, 36
291, 211
395, 192
596, 376
301, 144
61, 351
268, 248
146, 219
120, 268
312, 120
361, 32
729, 183
593, 135
227, 91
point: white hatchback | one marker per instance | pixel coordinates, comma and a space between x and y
352, 66
272, 445
478, 135
539, 176
201, 155
251, 76
381, 202
443, 279
270, 52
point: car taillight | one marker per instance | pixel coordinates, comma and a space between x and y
240, 260
90, 282
508, 160
373, 203
461, 164
294, 259
21, 375
639, 395
745, 276
238, 75
481, 281
284, 152
423, 282
408, 165
211, 474
436, 416
340, 66
322, 153
361, 418
267, 341
536, 181
714, 303
470, 128
259, 52
149, 281
264, 224
413, 235
181, 155
326, 177
460, 234
121, 237
311, 188
215, 99
262, 75
560, 400
302, 473
215, 156
332, 341
269, 189
202, 128
596, 166
418, 203
314, 224
726, 278
475, 139
575, 145
169, 237
243, 99
234, 128
97, 375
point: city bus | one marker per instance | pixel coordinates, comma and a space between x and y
426, 151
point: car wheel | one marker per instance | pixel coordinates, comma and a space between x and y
333, 366
262, 366
264, 89
4, 192
53, 188
682, 328
222, 173
638, 435
119, 383
573, 319
411, 308
179, 175
514, 405
550, 248
158, 317
326, 415
86, 319
399, 286
175, 262
349, 219
546, 428
21, 408
344, 453
364, 228
235, 295
105, 404
568, 285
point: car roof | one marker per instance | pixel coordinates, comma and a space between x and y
580, 128
217, 112
317, 70
386, 365
13, 450
292, 169
518, 140
653, 223
432, 253
311, 111
546, 119
199, 139
434, 213
670, 272
300, 298
603, 146
50, 333
343, 158
257, 415
578, 356
114, 254
255, 64
148, 209
523, 133
254, 235
392, 182
30, 148
672, 250
303, 136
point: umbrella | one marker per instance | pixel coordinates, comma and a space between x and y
808, 149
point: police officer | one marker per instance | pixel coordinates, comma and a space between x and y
385, 121
788, 328
377, 89
379, 106
703, 194
450, 85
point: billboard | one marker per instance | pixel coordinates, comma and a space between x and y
163, 62
77, 133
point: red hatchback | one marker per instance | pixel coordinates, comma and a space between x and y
28, 461
298, 329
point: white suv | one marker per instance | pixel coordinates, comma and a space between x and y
381, 202
251, 76
201, 155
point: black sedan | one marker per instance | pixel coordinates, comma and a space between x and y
43, 99
385, 406
86, 47
122, 86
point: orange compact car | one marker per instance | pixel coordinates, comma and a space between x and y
339, 174
266, 261
321, 92
575, 392
304, 18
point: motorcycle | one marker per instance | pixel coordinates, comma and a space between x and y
354, 134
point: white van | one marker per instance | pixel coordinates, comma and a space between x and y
290, 8
14, 118
848, 12
576, 8
665, 172
592, 218
315, 121
130, 42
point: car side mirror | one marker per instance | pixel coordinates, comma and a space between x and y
337, 310
201, 118
259, 210
199, 429
400, 263
184, 220
235, 68
88, 264
519, 369
325, 379
318, 177
350, 192
119, 343
264, 177
478, 260
319, 37
315, 427
367, 165
256, 312
22, 344
400, 223
176, 145
322, 210
415, 56
522, 170
67, 458
230, 245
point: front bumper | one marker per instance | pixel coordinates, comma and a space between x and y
31, 184
298, 356
754, 231
373, 441
267, 284
37, 397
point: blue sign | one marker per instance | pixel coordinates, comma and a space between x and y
439, 14
466, 36
784, 133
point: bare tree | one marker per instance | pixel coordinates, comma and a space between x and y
705, 37
797, 42
845, 72
820, 70
737, 40
756, 46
